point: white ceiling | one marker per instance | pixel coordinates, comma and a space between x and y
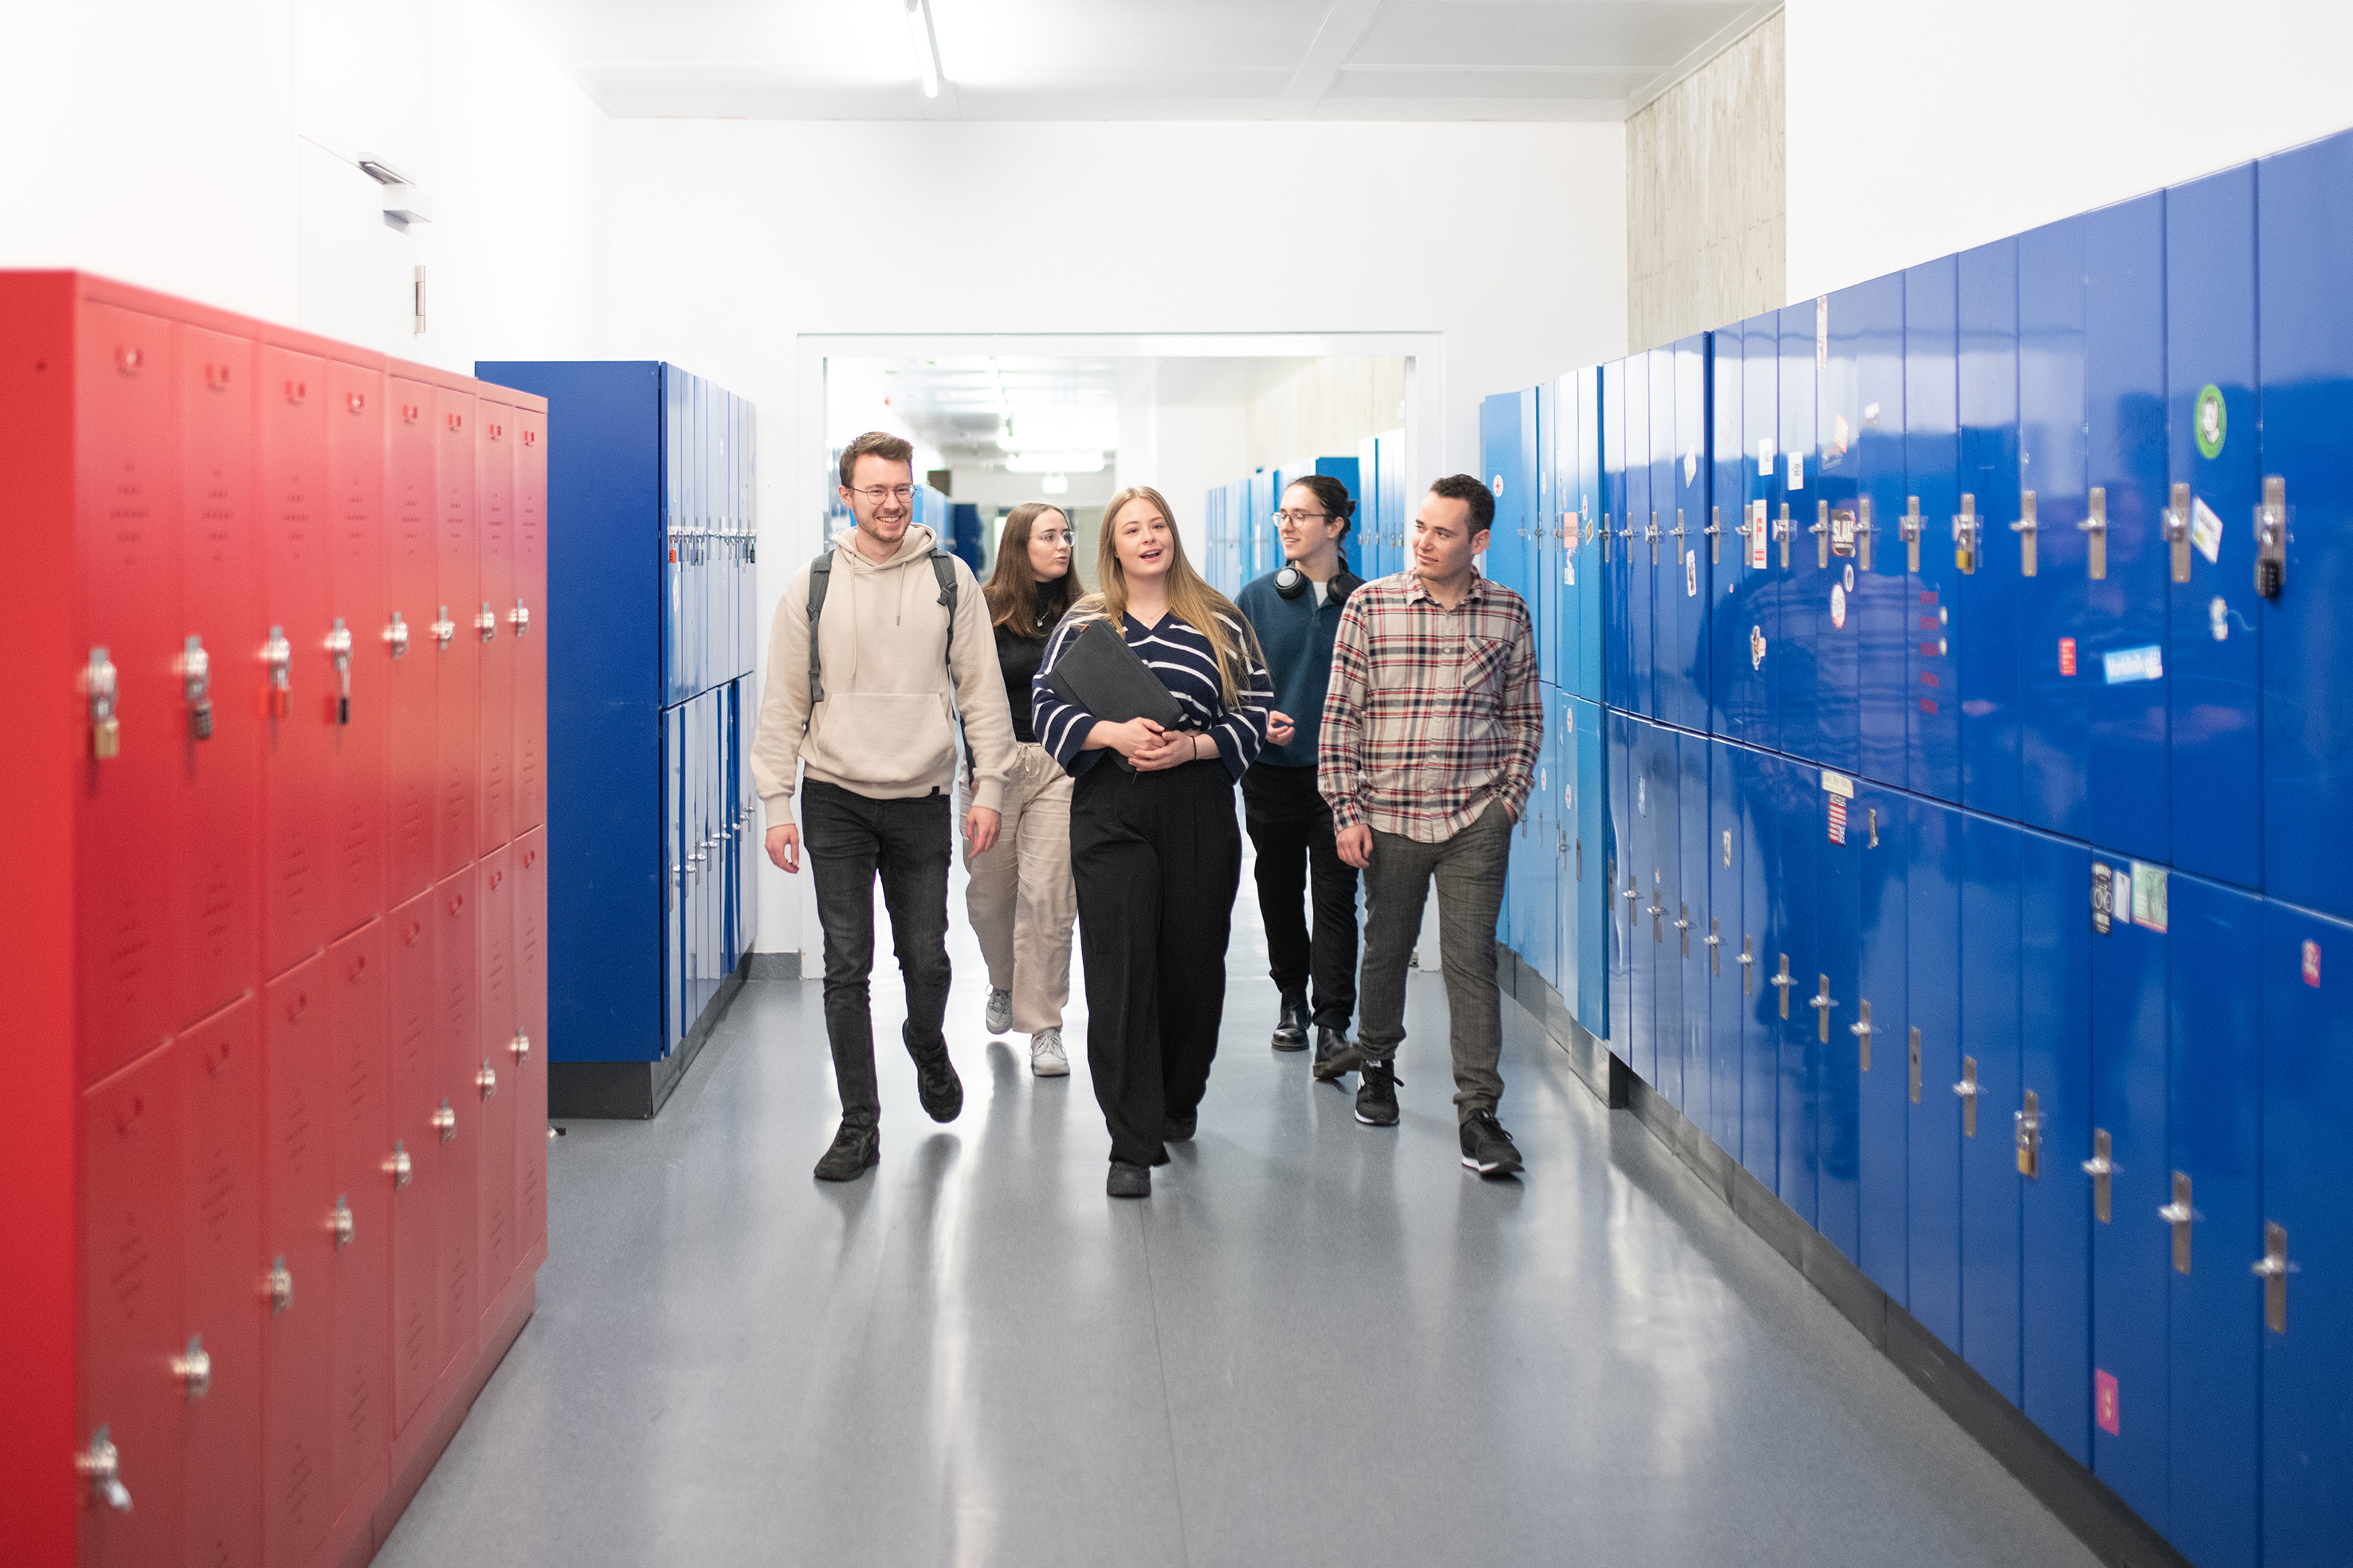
1136, 59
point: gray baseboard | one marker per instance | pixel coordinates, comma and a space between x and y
2082, 1501
635, 1092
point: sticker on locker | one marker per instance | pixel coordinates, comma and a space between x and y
2205, 531
2148, 896
2127, 665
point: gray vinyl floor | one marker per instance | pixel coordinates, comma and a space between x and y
1316, 1344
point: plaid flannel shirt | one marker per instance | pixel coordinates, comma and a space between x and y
1431, 713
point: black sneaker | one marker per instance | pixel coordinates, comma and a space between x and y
856, 1150
937, 1085
1179, 1129
1128, 1181
1335, 1058
1487, 1148
1377, 1095
1291, 1025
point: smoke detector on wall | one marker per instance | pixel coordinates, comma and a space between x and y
402, 198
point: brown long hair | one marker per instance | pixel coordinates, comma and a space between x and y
1016, 598
1190, 598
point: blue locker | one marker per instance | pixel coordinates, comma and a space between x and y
1552, 840
672, 467
1260, 550
1923, 534
1984, 552
1792, 944
1507, 438
1615, 673
1989, 1089
1810, 715
1397, 507
1592, 853
1657, 1006
1563, 635
1880, 832
1867, 326
1658, 564
2130, 1177
1731, 680
1586, 576
1545, 531
1625, 900
1829, 987
1213, 524
748, 579
676, 1014
1685, 582
2304, 210
2050, 1136
2214, 1070
1690, 930
1755, 847
1731, 984
1637, 693
1238, 533
1754, 711
1365, 533
1931, 1047
2305, 1249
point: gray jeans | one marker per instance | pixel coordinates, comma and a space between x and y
1468, 869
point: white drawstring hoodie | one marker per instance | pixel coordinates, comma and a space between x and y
893, 687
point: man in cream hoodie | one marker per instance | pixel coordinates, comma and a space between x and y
879, 748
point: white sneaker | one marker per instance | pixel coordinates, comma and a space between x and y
1046, 1058
998, 1015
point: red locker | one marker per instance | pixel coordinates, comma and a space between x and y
356, 656
298, 1249
419, 1355
127, 907
134, 1332
218, 1062
413, 636
360, 1408
219, 805
455, 1028
295, 691
528, 1049
494, 484
496, 1021
527, 622
457, 781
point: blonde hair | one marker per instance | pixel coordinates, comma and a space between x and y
1190, 598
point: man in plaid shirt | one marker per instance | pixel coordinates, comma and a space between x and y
1432, 725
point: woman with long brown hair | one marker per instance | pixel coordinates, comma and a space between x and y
1155, 846
1019, 895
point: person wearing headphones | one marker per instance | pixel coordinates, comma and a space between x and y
1296, 612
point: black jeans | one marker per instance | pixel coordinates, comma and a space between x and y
850, 839
1157, 857
1291, 827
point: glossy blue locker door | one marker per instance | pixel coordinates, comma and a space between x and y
1590, 599
673, 493
1922, 538
1637, 691
2305, 209
1930, 1060
1989, 1088
1793, 888
675, 997
1837, 545
1397, 507
1689, 928
1544, 523
2306, 1242
1830, 989
1565, 632
1560, 730
1756, 782
2041, 559
1617, 539
1666, 884
2055, 1200
1731, 682
1625, 904
2131, 1246
1728, 1001
1591, 859
1801, 580
1552, 847
1665, 567
2214, 1068
1503, 462
1881, 826
1684, 579
1758, 626
1985, 550
1880, 607
1638, 876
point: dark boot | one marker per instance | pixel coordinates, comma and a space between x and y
857, 1148
1291, 1025
937, 1085
1128, 1181
1335, 1058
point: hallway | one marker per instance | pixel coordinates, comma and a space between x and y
1316, 1344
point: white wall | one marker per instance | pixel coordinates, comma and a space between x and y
1919, 129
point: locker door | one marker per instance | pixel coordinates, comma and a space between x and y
1729, 675
1753, 707
298, 1247
1844, 318
1592, 856
1613, 670
1555, 462
411, 653
1923, 533
1661, 561
298, 774
1503, 463
496, 1018
1690, 930
1658, 1009
1730, 983
1650, 404
1830, 989
1989, 1086
2215, 1126
359, 1399
132, 1318
2132, 1249
1985, 552
1625, 902
748, 656
458, 765
1590, 577
1686, 669
457, 1012
675, 997
2212, 655
2306, 1240
355, 651
753, 851
412, 1165
1792, 951
2055, 1201
1870, 322
1568, 878
1879, 827
1928, 1052
527, 621
1812, 715
528, 1049
219, 800
494, 444
2306, 354
218, 1064
2044, 565
673, 461
1755, 851
129, 988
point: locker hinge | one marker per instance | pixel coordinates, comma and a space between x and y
1781, 531
2273, 1271
194, 1368
1967, 1089
2176, 530
340, 1222
280, 1285
196, 686
1861, 1030
445, 1121
2027, 1132
1783, 982
1714, 532
339, 648
1821, 532
102, 1466
443, 629
1747, 967
1822, 1002
2028, 529
1683, 926
2271, 538
278, 656
2102, 1168
2178, 1214
1863, 531
1915, 1084
1714, 949
2097, 525
398, 1165
396, 636
1909, 529
1968, 529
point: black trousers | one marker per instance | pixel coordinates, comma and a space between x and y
853, 838
1157, 857
1290, 829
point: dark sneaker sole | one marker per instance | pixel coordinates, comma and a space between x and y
950, 1106
1389, 1120
1285, 1043
823, 1175
1492, 1168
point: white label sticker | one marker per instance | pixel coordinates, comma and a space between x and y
1797, 472
1498, 487
1757, 534
1838, 604
2120, 891
2131, 664
1869, 415
1838, 783
2205, 530
1690, 574
1764, 456
2217, 619
1568, 573
2148, 896
1690, 464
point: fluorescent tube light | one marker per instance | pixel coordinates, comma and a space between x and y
1054, 463
927, 56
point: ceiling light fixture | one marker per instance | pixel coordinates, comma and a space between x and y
927, 48
1054, 463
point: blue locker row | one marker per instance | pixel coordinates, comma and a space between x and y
710, 836
2049, 529
710, 621
1238, 522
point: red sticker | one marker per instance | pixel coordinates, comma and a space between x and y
2312, 963
2104, 1404
1838, 820
2066, 656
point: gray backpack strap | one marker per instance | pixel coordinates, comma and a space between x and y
944, 571
820, 578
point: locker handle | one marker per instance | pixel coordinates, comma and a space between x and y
1861, 1033
2027, 529
445, 1121
1822, 1002
341, 1222
2096, 526
2102, 1168
399, 1167
520, 617
1651, 533
2178, 1214
1747, 966
2273, 1268
396, 636
1908, 530
1714, 949
194, 1368
443, 629
2271, 538
1967, 1089
196, 686
2177, 532
102, 1466
1783, 980
487, 1080
487, 622
280, 1283
519, 1047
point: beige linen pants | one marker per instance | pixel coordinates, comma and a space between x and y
1020, 896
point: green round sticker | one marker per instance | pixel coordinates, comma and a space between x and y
2213, 421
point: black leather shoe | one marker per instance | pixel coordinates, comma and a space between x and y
1179, 1129
1487, 1148
1335, 1058
856, 1150
1376, 1103
1291, 1027
937, 1085
1128, 1181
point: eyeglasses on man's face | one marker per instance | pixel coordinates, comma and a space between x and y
1301, 518
877, 494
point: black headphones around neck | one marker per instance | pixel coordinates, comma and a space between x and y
1291, 582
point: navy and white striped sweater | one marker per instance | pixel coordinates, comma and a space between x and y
1182, 659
